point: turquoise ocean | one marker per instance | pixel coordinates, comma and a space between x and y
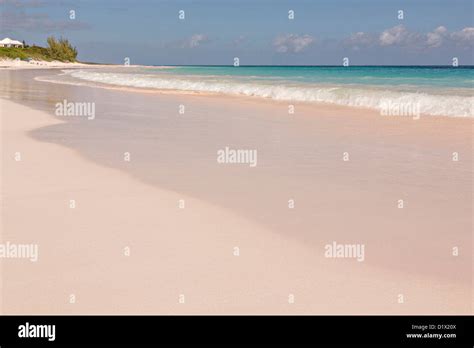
435, 90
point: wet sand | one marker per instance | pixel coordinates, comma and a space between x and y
173, 156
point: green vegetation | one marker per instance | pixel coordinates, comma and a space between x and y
34, 52
60, 50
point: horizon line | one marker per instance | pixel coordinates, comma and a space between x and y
305, 65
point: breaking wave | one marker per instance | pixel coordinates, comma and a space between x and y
427, 102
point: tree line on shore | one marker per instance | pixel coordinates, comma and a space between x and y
58, 49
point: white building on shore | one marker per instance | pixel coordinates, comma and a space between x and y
7, 42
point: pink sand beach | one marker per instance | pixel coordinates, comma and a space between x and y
132, 212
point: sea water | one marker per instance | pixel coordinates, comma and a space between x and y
433, 90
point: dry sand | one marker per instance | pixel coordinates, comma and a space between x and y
176, 251
16, 64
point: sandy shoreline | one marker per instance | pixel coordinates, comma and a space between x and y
11, 64
189, 251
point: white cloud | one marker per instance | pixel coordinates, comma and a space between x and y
402, 37
398, 35
292, 43
195, 41
436, 37
466, 35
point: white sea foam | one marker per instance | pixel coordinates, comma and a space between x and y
356, 96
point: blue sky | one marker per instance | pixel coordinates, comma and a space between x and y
257, 31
